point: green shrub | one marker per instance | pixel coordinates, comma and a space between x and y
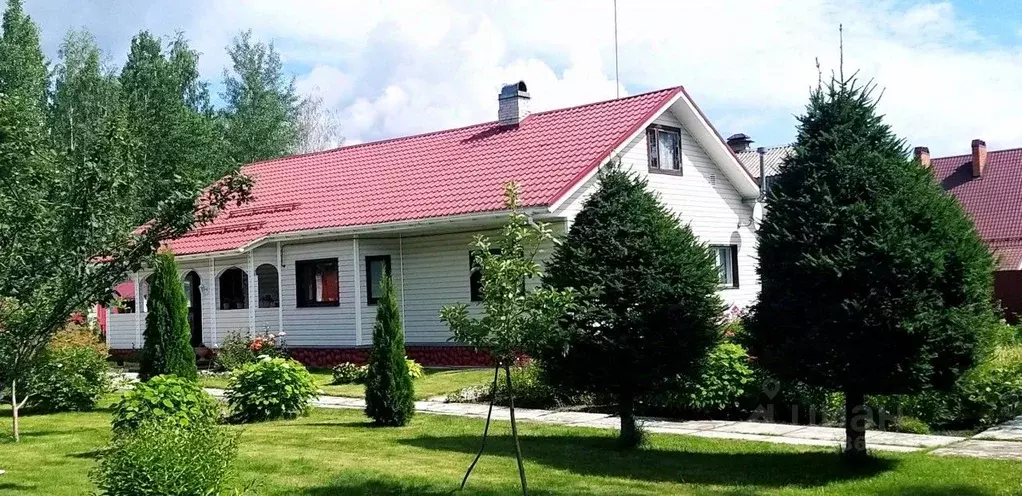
530, 390
414, 369
164, 458
75, 335
993, 390
269, 389
349, 373
234, 352
910, 425
725, 377
165, 397
70, 378
390, 395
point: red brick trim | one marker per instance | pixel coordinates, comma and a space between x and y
428, 356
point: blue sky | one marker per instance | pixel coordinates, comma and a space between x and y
950, 71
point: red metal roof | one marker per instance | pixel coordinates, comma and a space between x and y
452, 172
993, 200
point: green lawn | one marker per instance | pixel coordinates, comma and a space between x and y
436, 382
335, 452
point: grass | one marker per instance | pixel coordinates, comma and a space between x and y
436, 382
337, 452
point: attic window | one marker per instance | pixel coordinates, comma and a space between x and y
664, 143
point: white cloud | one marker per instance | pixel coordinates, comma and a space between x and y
401, 67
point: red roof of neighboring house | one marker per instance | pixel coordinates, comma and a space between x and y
453, 172
125, 290
993, 200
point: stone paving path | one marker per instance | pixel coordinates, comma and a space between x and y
994, 443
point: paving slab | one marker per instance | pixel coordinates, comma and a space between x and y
570, 418
816, 432
1008, 431
762, 428
978, 448
917, 440
702, 425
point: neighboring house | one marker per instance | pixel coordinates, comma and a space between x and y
989, 187
767, 158
306, 255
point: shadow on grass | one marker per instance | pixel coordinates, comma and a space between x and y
598, 456
386, 487
87, 455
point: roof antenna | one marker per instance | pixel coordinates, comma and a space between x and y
617, 79
841, 45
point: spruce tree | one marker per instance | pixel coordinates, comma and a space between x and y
873, 279
647, 310
390, 396
167, 347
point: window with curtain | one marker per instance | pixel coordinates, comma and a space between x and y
376, 267
317, 283
233, 285
664, 148
727, 264
267, 283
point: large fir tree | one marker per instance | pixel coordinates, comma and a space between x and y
873, 279
390, 396
262, 106
648, 309
167, 345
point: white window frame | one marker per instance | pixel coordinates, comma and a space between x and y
726, 257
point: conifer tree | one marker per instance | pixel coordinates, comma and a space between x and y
390, 395
874, 281
167, 348
647, 306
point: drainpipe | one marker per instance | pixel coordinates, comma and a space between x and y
762, 172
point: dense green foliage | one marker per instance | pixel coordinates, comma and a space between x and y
82, 171
647, 308
415, 371
874, 281
166, 459
390, 395
269, 389
165, 398
167, 348
262, 106
71, 378
725, 378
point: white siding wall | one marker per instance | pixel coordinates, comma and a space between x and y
702, 197
319, 326
369, 248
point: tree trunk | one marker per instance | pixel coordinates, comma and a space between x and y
629, 437
14, 411
855, 425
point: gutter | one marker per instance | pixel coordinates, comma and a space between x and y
331, 232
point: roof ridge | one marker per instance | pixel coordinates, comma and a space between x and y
453, 129
1018, 148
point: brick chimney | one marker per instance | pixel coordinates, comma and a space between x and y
513, 104
979, 157
922, 155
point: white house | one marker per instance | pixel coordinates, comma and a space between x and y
306, 254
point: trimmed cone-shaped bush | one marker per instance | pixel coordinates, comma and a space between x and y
647, 309
167, 349
390, 396
875, 281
